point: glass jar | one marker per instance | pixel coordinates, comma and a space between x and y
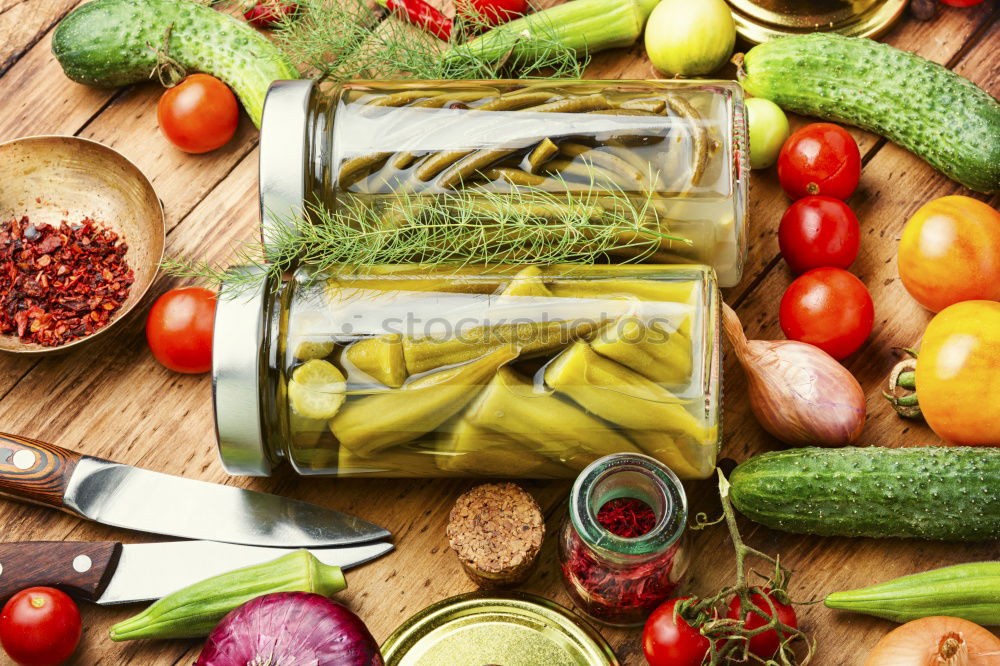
620, 580
675, 149
525, 372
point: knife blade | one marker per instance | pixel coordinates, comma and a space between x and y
108, 573
138, 499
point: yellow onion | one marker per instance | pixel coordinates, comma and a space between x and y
798, 392
936, 641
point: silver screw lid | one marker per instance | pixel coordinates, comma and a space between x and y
283, 153
236, 373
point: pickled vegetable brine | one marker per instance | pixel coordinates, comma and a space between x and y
676, 150
517, 371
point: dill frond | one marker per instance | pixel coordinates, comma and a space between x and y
341, 40
467, 227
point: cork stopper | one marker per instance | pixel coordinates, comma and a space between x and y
496, 530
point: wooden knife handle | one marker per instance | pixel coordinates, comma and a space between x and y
35, 471
80, 568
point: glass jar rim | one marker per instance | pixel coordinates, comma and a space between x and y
669, 503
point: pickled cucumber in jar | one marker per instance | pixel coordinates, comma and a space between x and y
529, 372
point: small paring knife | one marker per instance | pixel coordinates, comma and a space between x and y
137, 499
107, 572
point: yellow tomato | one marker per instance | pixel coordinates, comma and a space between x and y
950, 252
958, 374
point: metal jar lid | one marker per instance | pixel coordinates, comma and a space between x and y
284, 156
513, 629
237, 343
763, 20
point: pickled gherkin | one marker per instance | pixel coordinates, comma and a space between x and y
518, 371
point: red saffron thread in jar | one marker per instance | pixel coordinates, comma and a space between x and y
626, 517
60, 284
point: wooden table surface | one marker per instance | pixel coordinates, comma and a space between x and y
112, 399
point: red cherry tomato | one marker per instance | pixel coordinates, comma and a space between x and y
961, 3
269, 13
496, 12
199, 114
821, 158
40, 626
179, 329
764, 645
829, 308
670, 641
818, 231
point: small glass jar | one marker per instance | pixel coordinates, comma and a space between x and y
511, 371
676, 148
616, 580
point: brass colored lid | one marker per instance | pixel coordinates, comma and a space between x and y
763, 20
513, 629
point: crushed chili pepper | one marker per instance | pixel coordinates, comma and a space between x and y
617, 592
60, 284
627, 517
618, 588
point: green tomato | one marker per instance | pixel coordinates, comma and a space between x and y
690, 37
768, 131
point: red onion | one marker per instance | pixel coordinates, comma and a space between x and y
291, 629
798, 392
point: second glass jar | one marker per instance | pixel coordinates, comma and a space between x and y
520, 371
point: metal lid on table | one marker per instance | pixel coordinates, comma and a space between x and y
763, 20
236, 373
513, 629
283, 153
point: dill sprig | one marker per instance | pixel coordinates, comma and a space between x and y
525, 226
341, 40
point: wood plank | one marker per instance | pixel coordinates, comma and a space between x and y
24, 22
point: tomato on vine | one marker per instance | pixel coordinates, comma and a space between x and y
40, 626
821, 158
668, 640
766, 644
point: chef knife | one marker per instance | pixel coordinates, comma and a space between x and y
108, 573
138, 499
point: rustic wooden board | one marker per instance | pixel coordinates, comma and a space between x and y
113, 400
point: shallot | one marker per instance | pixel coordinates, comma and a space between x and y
798, 392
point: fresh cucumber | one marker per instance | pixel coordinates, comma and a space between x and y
110, 43
925, 108
945, 493
970, 591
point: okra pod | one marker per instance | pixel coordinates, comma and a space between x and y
376, 422
620, 395
194, 611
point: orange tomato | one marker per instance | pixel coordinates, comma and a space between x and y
950, 252
958, 374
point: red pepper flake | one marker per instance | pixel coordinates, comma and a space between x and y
625, 589
627, 517
60, 284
